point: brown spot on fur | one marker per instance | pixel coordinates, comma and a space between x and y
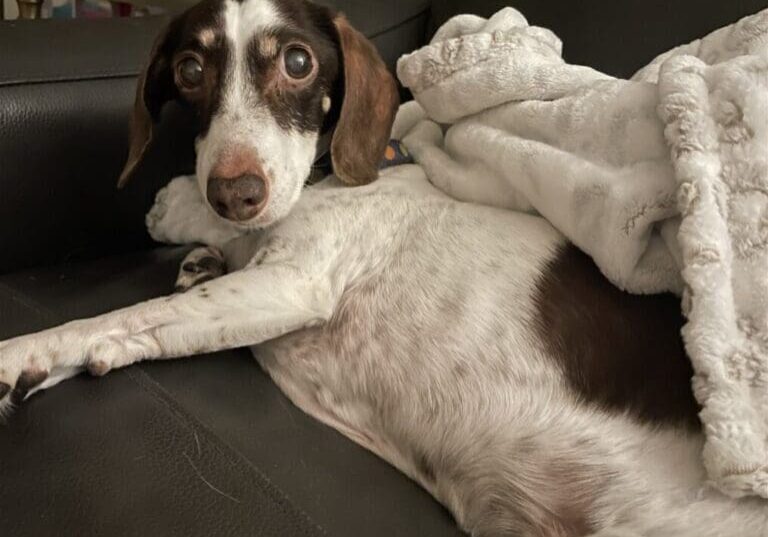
460, 371
554, 497
424, 467
26, 381
620, 351
98, 368
4, 389
31, 378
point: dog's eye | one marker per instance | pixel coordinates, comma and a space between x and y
298, 62
190, 73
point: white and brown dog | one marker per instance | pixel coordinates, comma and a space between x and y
472, 348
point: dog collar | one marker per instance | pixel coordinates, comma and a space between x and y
395, 154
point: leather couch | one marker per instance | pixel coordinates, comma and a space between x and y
206, 445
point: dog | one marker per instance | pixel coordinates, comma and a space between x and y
474, 349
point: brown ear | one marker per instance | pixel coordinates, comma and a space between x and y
367, 111
154, 88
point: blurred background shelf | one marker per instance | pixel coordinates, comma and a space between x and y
90, 9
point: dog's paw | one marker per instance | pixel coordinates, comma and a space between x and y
201, 265
180, 215
175, 205
157, 212
23, 367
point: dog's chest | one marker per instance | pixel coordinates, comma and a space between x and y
445, 324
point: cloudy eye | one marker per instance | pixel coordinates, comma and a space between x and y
190, 73
298, 62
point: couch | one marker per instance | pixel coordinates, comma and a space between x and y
207, 445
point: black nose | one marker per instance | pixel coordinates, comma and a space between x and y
239, 199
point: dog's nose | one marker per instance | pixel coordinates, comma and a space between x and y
239, 199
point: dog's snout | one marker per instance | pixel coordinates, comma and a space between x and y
240, 198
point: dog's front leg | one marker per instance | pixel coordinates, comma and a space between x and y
239, 309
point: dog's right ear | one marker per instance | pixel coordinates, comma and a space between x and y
154, 88
367, 110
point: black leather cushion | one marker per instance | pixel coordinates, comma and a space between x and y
199, 446
66, 89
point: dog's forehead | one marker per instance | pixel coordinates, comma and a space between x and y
236, 21
242, 20
212, 23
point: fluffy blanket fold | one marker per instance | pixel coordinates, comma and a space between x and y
662, 179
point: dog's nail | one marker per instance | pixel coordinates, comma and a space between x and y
98, 368
4, 389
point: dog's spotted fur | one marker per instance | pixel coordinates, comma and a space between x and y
470, 347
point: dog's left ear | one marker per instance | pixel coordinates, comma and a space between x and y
367, 111
154, 88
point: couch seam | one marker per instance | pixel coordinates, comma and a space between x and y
29, 304
164, 398
66, 79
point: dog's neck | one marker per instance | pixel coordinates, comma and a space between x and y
395, 154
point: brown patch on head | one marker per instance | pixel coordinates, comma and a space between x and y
296, 103
207, 37
268, 45
368, 108
619, 351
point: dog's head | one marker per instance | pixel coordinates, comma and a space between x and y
267, 78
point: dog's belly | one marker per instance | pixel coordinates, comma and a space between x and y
424, 361
437, 365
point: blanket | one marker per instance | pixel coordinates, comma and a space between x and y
662, 179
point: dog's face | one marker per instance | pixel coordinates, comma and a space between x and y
267, 78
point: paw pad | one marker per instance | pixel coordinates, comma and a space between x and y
200, 266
